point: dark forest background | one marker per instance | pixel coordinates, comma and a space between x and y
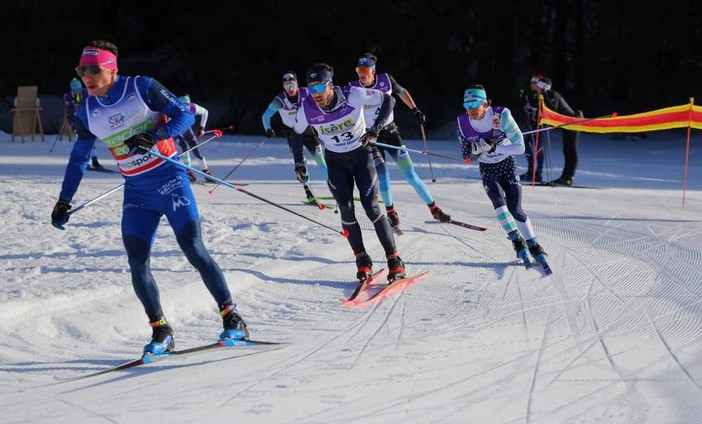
603, 56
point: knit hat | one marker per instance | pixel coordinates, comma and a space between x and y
76, 85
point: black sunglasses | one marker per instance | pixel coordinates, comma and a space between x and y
90, 69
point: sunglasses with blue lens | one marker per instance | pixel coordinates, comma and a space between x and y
473, 104
318, 88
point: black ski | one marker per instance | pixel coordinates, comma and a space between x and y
460, 224
148, 358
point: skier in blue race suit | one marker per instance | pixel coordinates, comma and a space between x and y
132, 115
336, 115
491, 134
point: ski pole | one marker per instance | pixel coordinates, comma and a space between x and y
424, 138
580, 121
422, 152
105, 194
230, 127
63, 125
343, 233
239, 164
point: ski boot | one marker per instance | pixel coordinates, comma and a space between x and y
520, 246
364, 265
563, 181
96, 164
396, 268
161, 338
438, 214
234, 325
392, 215
310, 196
208, 180
537, 252
191, 176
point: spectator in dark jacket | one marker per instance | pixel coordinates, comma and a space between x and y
554, 101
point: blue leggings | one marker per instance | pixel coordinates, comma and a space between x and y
142, 211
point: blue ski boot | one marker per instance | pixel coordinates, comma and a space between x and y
161, 338
234, 325
536, 250
520, 247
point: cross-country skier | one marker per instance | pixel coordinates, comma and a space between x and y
286, 104
188, 140
368, 78
336, 115
128, 115
491, 134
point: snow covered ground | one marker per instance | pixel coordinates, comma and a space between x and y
612, 337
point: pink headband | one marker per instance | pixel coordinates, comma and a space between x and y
96, 56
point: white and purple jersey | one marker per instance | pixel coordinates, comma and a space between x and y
498, 125
383, 82
289, 110
129, 115
339, 129
200, 111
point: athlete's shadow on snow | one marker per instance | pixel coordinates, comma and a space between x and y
597, 218
144, 370
342, 282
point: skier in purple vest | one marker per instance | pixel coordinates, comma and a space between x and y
491, 134
336, 115
368, 78
285, 104
72, 100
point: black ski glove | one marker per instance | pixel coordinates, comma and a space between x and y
140, 143
59, 216
369, 137
301, 172
420, 116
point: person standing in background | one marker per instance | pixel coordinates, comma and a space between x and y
530, 103
541, 85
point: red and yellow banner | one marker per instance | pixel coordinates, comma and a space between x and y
682, 116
